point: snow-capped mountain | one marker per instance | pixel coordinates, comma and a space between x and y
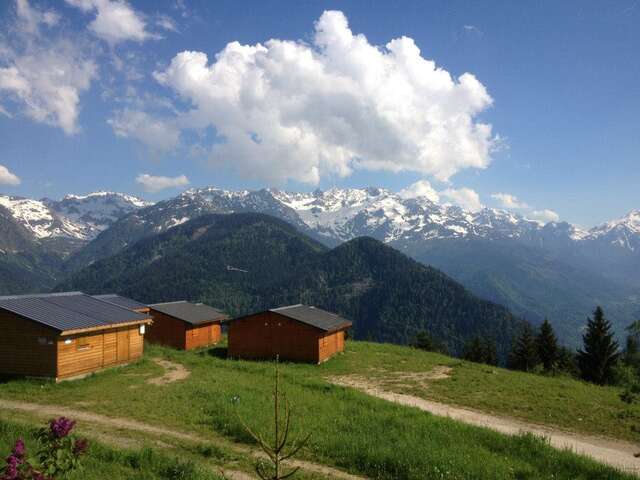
623, 233
75, 218
331, 216
554, 270
342, 214
338, 215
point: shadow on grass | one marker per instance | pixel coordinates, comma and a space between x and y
218, 352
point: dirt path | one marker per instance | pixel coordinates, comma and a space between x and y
48, 411
173, 372
616, 453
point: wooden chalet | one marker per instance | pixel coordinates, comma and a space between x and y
185, 325
298, 333
64, 335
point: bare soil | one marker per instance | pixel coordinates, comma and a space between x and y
174, 372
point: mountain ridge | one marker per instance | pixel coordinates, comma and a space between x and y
538, 270
390, 296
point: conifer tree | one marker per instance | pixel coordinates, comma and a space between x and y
524, 355
547, 346
599, 354
567, 362
490, 352
424, 341
474, 350
481, 350
632, 349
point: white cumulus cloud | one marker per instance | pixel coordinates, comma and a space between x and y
464, 197
544, 216
40, 77
291, 110
512, 202
8, 178
116, 21
422, 188
507, 200
153, 183
156, 133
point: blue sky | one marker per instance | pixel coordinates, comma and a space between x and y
96, 93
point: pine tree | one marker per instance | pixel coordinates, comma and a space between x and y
490, 352
524, 355
474, 350
631, 355
424, 341
481, 350
599, 354
547, 346
567, 362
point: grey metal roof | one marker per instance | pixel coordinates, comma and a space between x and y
69, 310
193, 313
316, 317
121, 301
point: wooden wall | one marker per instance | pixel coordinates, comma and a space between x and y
202, 335
26, 347
31, 349
263, 335
166, 330
88, 352
170, 331
330, 344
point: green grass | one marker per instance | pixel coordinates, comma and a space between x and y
556, 401
102, 462
349, 429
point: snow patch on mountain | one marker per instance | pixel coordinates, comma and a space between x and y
78, 217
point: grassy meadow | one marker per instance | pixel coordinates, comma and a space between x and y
349, 429
102, 461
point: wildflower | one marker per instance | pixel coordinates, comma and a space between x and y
19, 449
11, 470
80, 446
61, 427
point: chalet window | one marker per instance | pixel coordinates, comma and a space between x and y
83, 344
44, 341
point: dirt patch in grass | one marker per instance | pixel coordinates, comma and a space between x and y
174, 372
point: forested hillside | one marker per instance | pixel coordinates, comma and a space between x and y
24, 265
248, 262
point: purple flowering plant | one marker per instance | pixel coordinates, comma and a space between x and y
59, 453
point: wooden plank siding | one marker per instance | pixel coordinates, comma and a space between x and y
267, 334
330, 344
202, 335
167, 330
26, 347
170, 331
82, 354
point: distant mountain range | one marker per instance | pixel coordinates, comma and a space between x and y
248, 262
555, 270
68, 224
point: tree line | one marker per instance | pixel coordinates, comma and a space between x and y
599, 360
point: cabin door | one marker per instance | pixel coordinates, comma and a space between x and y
123, 345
